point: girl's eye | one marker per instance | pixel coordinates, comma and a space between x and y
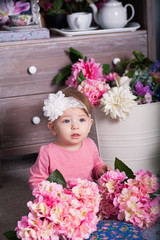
82, 120
66, 121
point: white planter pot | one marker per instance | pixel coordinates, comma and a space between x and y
135, 141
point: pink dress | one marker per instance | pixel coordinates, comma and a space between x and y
82, 163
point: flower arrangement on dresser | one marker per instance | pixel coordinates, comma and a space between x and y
133, 82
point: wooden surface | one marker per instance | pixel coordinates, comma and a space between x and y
49, 56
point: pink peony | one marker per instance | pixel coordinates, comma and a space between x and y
90, 70
94, 90
111, 76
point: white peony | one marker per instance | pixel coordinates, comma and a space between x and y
118, 102
123, 81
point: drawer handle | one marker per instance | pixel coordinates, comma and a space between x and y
116, 61
32, 70
36, 120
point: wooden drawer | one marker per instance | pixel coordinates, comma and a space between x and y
16, 126
15, 79
50, 56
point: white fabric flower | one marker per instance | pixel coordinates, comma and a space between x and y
118, 102
57, 103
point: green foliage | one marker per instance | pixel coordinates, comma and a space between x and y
120, 68
57, 7
11, 235
81, 77
106, 68
57, 177
140, 61
75, 55
122, 167
63, 75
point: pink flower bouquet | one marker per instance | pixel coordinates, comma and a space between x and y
129, 199
61, 213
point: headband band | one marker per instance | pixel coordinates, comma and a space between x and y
57, 103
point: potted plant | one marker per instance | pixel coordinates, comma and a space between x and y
55, 11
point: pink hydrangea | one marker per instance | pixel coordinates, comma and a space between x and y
129, 200
71, 213
94, 90
136, 208
110, 186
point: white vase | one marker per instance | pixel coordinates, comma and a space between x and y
135, 141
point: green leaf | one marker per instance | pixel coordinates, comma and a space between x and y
106, 68
64, 74
11, 235
123, 168
140, 61
130, 73
156, 86
121, 67
81, 77
75, 55
58, 4
85, 59
152, 196
57, 177
139, 56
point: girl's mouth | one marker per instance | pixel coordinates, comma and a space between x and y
75, 135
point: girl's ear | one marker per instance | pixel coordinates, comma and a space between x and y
52, 128
90, 125
91, 122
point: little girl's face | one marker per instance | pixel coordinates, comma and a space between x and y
71, 128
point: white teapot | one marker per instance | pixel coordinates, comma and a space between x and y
112, 14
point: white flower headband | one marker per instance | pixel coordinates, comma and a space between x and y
57, 103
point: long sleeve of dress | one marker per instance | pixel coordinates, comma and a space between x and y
98, 162
40, 170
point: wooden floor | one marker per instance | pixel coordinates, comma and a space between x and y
15, 192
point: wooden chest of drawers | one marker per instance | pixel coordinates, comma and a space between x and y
27, 72
23, 92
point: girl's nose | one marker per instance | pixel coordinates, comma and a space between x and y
75, 125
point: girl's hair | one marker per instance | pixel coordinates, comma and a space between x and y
72, 92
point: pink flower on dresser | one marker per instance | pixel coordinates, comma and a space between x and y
47, 6
90, 69
111, 76
94, 90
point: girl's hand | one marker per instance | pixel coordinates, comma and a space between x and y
103, 170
